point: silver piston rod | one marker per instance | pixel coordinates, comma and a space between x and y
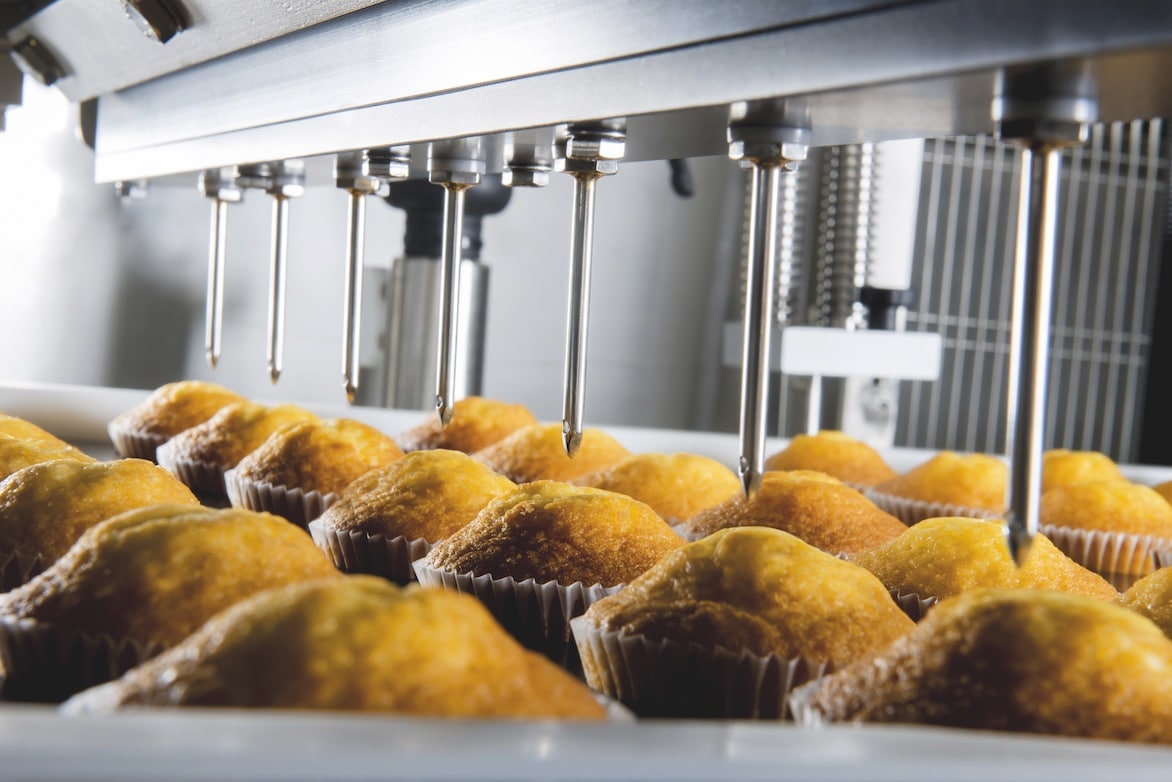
218, 184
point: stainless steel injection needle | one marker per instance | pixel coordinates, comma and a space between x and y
352, 305
221, 187
449, 311
277, 272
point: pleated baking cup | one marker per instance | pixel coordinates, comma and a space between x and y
1162, 558
1107, 553
47, 663
133, 444
665, 678
354, 551
536, 614
297, 505
799, 705
17, 569
204, 478
911, 511
912, 604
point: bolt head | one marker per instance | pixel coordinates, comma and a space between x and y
596, 167
601, 146
445, 177
784, 153
523, 176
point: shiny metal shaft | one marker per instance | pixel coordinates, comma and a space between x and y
449, 309
762, 248
352, 306
578, 317
217, 252
1033, 276
276, 346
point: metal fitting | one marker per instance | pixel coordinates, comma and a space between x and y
352, 172
131, 189
527, 164
1051, 104
457, 162
159, 20
592, 148
31, 56
221, 184
785, 146
387, 163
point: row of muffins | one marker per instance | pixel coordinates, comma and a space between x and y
753, 570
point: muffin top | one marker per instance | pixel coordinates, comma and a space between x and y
833, 453
948, 556
1061, 467
759, 590
16, 453
46, 507
819, 509
175, 407
1021, 660
1164, 490
356, 644
24, 430
537, 453
975, 481
1151, 596
476, 423
156, 574
323, 456
233, 432
676, 486
551, 531
426, 494
1111, 506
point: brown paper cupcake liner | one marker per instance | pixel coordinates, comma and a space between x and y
912, 604
372, 553
203, 478
1109, 554
665, 678
131, 444
18, 568
44, 662
911, 511
298, 506
537, 615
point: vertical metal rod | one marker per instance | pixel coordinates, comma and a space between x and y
276, 347
352, 305
1029, 341
755, 353
214, 316
578, 317
449, 310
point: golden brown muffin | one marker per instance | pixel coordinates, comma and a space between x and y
46, 507
1061, 467
676, 486
975, 481
1028, 660
1151, 596
233, 432
24, 430
154, 575
817, 508
476, 423
537, 453
833, 453
1164, 490
175, 407
426, 494
16, 454
355, 644
551, 531
323, 456
760, 590
1111, 506
948, 556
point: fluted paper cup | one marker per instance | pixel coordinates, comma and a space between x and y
372, 553
133, 444
1107, 553
17, 569
911, 511
204, 478
297, 505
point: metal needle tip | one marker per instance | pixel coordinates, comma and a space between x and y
351, 392
571, 439
274, 375
213, 359
750, 479
444, 410
1019, 542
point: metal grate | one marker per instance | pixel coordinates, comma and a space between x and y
1112, 194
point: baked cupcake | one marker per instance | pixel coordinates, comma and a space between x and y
537, 453
1164, 490
353, 644
165, 413
676, 486
948, 484
476, 423
940, 558
1111, 527
141, 582
200, 456
819, 509
1061, 467
1021, 660
21, 429
16, 454
301, 468
541, 554
393, 515
1151, 596
46, 507
725, 626
851, 461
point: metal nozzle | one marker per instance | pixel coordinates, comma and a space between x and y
220, 186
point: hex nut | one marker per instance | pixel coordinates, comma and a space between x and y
445, 177
577, 166
525, 176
